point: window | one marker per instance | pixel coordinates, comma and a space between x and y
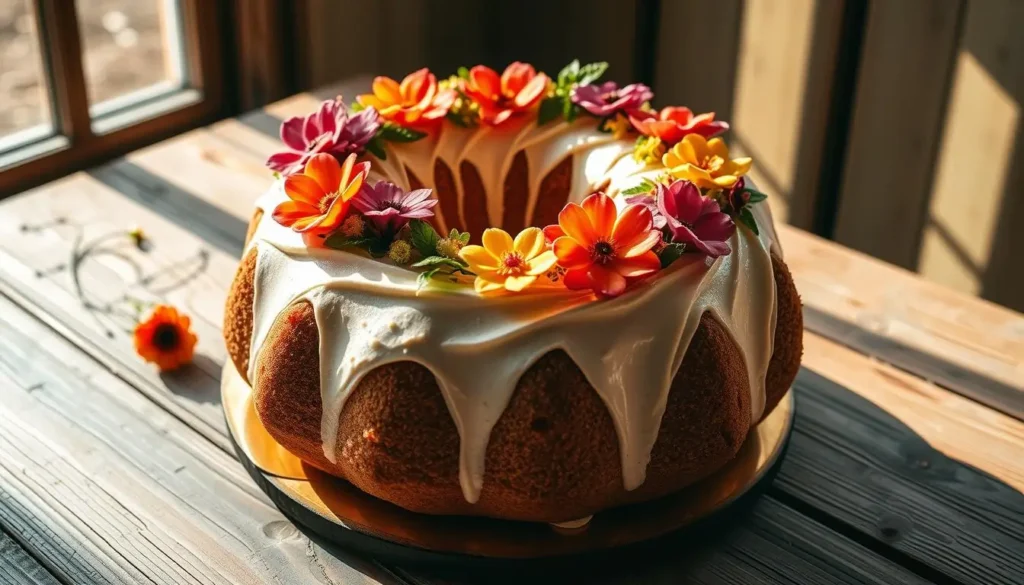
81, 81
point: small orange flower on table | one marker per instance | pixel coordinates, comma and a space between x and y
519, 89
165, 338
602, 249
416, 102
320, 195
705, 163
502, 263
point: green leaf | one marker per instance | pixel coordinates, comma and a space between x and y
463, 72
747, 219
453, 234
550, 109
276, 175
569, 73
395, 133
570, 111
464, 238
591, 72
423, 237
376, 148
646, 186
339, 241
440, 261
357, 107
755, 196
457, 120
424, 277
671, 252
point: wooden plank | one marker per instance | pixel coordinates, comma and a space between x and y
783, 90
975, 339
972, 241
891, 152
930, 474
706, 84
17, 567
108, 487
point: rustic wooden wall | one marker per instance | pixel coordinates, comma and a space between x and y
892, 127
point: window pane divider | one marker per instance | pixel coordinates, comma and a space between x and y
62, 49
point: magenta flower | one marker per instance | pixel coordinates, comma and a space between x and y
330, 130
390, 208
695, 220
607, 98
649, 201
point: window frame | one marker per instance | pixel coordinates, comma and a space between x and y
78, 140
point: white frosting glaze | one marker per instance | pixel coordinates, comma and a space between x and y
371, 313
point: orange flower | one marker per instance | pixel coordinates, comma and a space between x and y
519, 89
320, 194
671, 124
416, 102
602, 249
164, 338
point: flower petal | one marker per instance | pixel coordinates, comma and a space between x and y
694, 149
478, 258
387, 90
518, 283
634, 220
325, 170
571, 254
642, 243
418, 85
482, 285
532, 93
637, 266
602, 212
291, 133
284, 161
575, 222
553, 232
541, 263
529, 242
606, 282
303, 188
515, 77
485, 81
288, 212
497, 241
717, 147
576, 279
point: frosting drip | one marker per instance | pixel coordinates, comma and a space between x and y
370, 313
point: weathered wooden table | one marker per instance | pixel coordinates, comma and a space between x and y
906, 464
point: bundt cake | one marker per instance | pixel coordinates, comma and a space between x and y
512, 296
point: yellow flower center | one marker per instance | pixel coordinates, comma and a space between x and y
327, 200
712, 163
512, 264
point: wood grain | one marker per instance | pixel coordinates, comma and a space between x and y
17, 567
110, 488
902, 87
876, 450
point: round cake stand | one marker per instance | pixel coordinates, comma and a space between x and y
337, 511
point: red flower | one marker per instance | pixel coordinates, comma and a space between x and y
695, 220
416, 102
519, 89
319, 197
671, 124
602, 249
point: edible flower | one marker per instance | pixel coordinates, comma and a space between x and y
602, 249
504, 263
694, 220
618, 126
519, 89
390, 207
607, 98
415, 102
329, 130
319, 196
705, 163
671, 124
165, 338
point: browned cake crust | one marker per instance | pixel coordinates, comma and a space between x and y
552, 456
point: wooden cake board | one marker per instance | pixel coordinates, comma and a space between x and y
337, 511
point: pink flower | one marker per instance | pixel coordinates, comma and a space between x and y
671, 124
329, 130
695, 220
650, 201
607, 98
390, 208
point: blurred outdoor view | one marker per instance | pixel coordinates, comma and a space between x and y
128, 45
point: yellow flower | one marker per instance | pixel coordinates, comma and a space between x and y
648, 150
619, 126
504, 263
705, 163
